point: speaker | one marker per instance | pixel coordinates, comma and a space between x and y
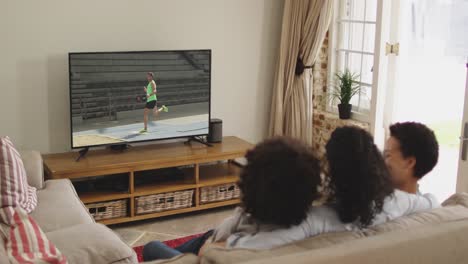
215, 131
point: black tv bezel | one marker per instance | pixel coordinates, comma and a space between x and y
137, 141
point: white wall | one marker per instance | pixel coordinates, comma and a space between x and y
35, 37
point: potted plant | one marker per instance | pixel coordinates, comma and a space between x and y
345, 87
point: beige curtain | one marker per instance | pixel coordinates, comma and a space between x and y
305, 24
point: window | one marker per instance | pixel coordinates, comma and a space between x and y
352, 46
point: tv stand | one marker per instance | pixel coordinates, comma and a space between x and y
145, 171
82, 153
199, 140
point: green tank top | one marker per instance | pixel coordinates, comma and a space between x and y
149, 90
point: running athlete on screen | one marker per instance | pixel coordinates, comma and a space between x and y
151, 100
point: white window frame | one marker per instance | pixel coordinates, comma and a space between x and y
362, 116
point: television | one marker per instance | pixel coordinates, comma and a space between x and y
112, 93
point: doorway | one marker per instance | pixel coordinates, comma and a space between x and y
427, 80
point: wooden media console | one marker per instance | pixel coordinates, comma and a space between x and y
152, 180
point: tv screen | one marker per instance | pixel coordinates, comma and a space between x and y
114, 94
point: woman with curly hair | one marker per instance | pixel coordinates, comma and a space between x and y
360, 193
278, 185
361, 188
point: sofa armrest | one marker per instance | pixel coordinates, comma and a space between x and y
91, 243
32, 161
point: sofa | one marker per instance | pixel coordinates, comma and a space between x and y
436, 236
66, 222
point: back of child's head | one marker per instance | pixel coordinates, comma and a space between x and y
359, 180
280, 181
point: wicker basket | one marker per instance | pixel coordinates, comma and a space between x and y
219, 193
163, 202
107, 210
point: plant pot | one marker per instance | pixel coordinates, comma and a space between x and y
345, 110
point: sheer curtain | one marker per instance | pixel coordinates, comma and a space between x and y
305, 24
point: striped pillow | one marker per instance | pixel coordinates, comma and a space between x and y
24, 240
14, 187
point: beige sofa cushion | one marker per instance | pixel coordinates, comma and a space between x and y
222, 255
91, 243
457, 199
455, 208
444, 243
32, 161
59, 207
